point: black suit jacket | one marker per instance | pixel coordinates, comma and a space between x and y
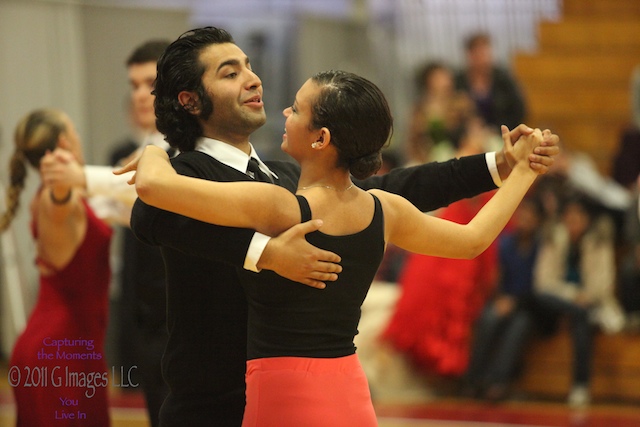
204, 362
142, 276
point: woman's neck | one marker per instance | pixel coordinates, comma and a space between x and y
337, 179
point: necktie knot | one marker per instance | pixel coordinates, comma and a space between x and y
254, 171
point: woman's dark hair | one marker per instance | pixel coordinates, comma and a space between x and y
180, 69
357, 114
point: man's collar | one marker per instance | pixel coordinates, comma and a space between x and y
230, 155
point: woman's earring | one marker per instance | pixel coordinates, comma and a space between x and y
314, 144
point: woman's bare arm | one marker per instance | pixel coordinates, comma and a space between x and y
412, 230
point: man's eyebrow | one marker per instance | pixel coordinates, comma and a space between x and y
232, 62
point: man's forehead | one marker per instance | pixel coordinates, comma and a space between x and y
142, 70
216, 54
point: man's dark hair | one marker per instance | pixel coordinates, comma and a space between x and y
149, 51
180, 69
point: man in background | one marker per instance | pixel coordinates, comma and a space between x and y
141, 312
494, 90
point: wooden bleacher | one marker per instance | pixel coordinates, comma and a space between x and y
578, 82
548, 366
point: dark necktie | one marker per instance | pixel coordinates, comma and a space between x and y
254, 171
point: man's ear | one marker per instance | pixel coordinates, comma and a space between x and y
189, 102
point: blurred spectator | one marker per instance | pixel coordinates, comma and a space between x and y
574, 276
441, 298
575, 171
626, 163
629, 269
438, 115
635, 96
494, 90
503, 326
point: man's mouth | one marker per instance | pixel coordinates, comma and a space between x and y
254, 100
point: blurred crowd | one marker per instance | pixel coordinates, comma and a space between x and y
571, 255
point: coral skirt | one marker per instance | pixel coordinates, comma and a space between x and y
309, 392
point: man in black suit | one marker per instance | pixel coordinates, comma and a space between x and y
208, 103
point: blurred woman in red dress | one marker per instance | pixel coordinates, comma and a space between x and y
57, 369
441, 297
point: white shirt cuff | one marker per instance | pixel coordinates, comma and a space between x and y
101, 181
111, 196
256, 247
493, 168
